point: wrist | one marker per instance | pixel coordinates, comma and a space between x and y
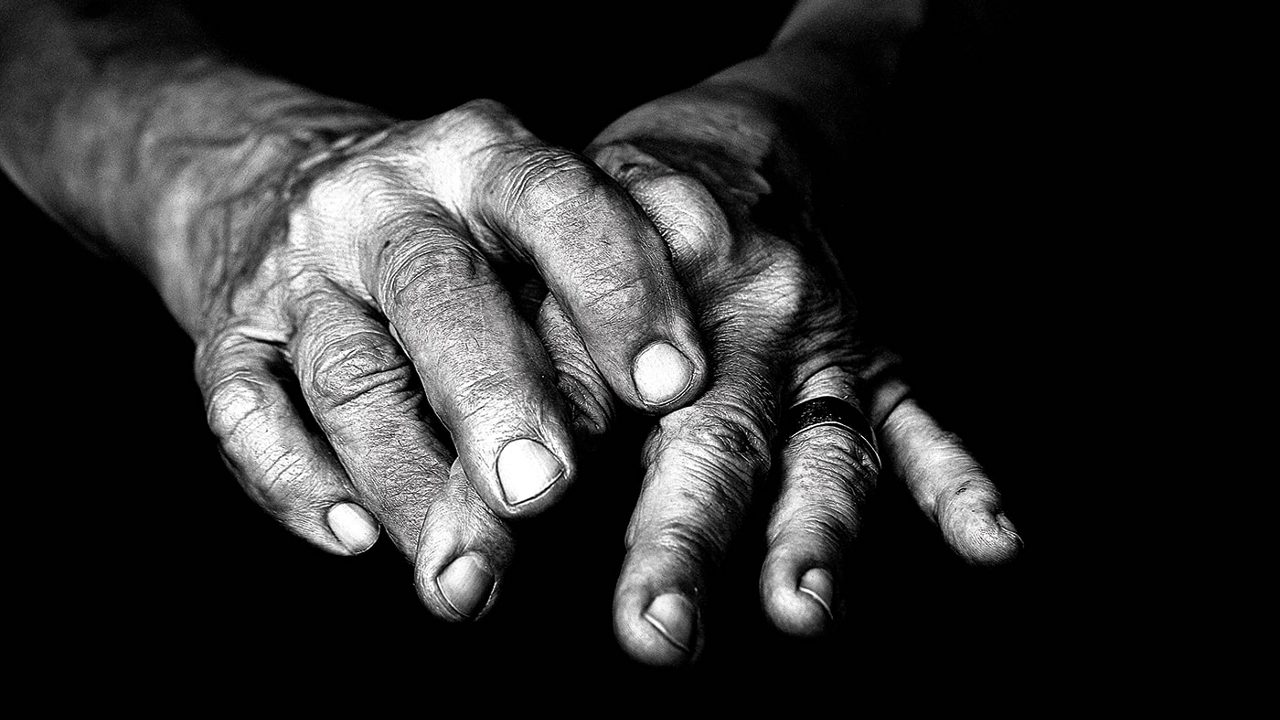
735, 138
225, 207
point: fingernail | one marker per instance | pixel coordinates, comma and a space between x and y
674, 616
353, 526
1007, 526
526, 469
661, 373
818, 585
466, 585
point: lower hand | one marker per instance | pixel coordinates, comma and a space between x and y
723, 174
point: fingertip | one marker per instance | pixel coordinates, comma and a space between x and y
466, 585
799, 601
660, 630
457, 585
353, 526
984, 538
463, 551
818, 585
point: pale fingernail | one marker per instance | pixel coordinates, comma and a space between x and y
353, 526
818, 585
526, 469
674, 616
466, 584
661, 373
1007, 526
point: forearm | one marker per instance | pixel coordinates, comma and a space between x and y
827, 60
805, 100
138, 135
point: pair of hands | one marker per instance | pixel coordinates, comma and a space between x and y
456, 286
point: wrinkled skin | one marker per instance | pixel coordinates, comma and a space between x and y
381, 294
726, 176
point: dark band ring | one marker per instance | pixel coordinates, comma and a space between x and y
831, 411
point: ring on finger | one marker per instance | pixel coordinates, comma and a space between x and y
828, 410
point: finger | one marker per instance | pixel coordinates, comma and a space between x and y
702, 466
949, 485
364, 394
703, 462
588, 396
605, 262
282, 465
827, 473
483, 371
463, 552
362, 391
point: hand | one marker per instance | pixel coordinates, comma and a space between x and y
726, 174
376, 282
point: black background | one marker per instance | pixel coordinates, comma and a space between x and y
138, 562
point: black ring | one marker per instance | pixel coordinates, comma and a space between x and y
831, 411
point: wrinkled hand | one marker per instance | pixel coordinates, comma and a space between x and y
724, 175
376, 304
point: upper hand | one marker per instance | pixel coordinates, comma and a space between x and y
374, 301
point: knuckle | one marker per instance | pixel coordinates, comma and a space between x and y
285, 483
786, 285
834, 458
474, 124
828, 524
349, 189
674, 188
354, 366
724, 435
686, 214
617, 298
552, 185
237, 404
484, 396
970, 485
481, 109
731, 432
433, 265
701, 542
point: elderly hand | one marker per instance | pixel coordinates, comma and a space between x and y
383, 294
726, 175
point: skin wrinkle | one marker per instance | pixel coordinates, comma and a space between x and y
283, 473
430, 272
476, 394
819, 493
534, 183
234, 399
589, 399
350, 367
